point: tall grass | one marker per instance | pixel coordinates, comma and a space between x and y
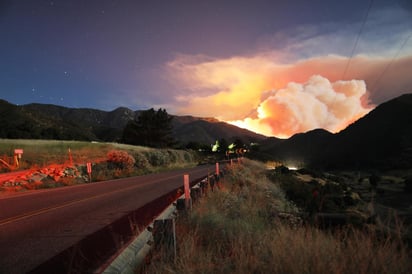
238, 229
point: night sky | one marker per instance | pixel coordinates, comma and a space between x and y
275, 67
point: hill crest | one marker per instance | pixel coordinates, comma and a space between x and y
46, 121
380, 139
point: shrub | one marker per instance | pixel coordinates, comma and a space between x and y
100, 172
141, 161
157, 158
188, 157
173, 156
118, 159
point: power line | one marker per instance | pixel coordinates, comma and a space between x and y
390, 63
357, 39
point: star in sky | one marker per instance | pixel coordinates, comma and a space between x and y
228, 59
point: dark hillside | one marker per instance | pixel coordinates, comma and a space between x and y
381, 139
13, 122
308, 147
304, 148
67, 123
208, 130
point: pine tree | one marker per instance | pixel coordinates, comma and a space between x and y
151, 128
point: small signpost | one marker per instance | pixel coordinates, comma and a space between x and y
89, 171
17, 156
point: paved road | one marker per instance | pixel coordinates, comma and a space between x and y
37, 225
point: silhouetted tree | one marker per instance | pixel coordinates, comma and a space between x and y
239, 143
223, 145
151, 128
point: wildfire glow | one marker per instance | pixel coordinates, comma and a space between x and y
317, 103
278, 99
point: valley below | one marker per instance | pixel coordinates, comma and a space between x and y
361, 199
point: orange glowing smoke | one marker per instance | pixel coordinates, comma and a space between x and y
317, 103
278, 99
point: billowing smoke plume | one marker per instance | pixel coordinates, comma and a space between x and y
281, 99
318, 103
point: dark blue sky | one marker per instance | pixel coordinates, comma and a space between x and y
106, 53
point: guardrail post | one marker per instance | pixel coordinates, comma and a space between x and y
217, 180
203, 186
212, 182
180, 204
164, 235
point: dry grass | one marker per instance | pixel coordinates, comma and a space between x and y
44, 152
109, 161
237, 230
40, 153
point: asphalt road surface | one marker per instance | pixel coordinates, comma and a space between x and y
37, 225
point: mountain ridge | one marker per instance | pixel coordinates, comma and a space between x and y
58, 122
380, 139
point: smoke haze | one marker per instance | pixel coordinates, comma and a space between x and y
281, 99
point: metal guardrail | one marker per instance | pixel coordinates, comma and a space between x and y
92, 254
134, 254
133, 246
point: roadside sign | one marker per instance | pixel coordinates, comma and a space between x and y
17, 155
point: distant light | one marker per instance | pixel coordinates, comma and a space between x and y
215, 147
292, 168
